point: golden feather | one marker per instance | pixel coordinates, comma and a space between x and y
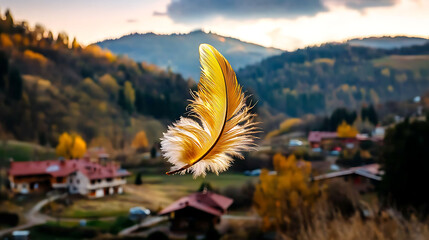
226, 125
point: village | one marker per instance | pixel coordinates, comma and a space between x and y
181, 120
183, 208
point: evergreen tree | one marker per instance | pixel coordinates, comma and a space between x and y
372, 115
8, 21
364, 113
4, 67
121, 99
138, 180
75, 44
153, 152
405, 157
205, 186
340, 115
15, 84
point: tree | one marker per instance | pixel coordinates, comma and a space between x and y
79, 147
153, 152
109, 84
370, 114
75, 44
62, 40
340, 115
405, 162
138, 180
140, 141
71, 146
102, 142
205, 186
130, 96
8, 21
284, 200
346, 131
4, 67
15, 84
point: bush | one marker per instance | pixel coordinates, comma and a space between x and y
212, 234
342, 197
138, 180
9, 219
158, 236
250, 230
206, 186
120, 223
74, 232
405, 161
243, 196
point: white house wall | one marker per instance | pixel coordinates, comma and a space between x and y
78, 183
99, 193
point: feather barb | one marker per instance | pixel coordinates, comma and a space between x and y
224, 127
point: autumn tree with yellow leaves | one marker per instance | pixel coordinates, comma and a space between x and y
140, 141
346, 131
71, 146
285, 199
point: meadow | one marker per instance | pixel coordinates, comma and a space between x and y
156, 192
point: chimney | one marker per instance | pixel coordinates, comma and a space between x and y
62, 161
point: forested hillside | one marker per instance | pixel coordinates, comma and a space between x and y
180, 51
388, 42
320, 79
50, 84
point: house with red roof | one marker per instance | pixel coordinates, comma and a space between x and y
76, 176
197, 212
319, 138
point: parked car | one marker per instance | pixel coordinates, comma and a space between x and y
255, 172
138, 213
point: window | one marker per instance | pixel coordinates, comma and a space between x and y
92, 181
77, 181
109, 179
60, 179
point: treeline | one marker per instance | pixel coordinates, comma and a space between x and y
339, 115
52, 84
321, 79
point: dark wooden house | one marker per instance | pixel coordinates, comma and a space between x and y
364, 178
197, 212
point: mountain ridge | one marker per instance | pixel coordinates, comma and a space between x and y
388, 42
157, 48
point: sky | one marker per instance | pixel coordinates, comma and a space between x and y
284, 24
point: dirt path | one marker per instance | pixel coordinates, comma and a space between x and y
148, 222
33, 216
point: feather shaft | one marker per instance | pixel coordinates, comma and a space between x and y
225, 124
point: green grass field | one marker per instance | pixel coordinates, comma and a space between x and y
408, 62
24, 151
157, 191
218, 182
110, 226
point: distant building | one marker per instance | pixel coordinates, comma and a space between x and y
363, 178
319, 139
197, 212
76, 176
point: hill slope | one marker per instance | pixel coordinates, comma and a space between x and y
320, 79
388, 42
50, 85
180, 51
